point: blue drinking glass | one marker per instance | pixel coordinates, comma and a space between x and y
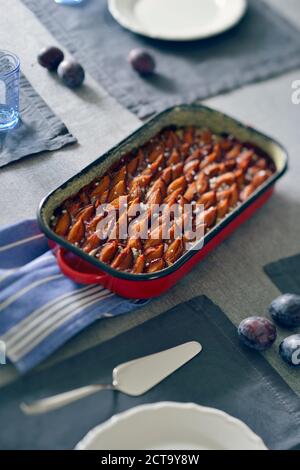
69, 2
9, 90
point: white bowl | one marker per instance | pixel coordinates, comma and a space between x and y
171, 426
178, 20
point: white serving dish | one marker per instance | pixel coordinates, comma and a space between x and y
178, 20
171, 426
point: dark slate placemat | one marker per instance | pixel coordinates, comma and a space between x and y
263, 45
39, 129
285, 274
225, 375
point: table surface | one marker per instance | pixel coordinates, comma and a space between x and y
232, 275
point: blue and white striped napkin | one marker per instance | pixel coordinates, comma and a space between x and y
40, 308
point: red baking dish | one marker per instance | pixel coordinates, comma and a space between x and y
83, 268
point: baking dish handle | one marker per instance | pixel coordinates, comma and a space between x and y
77, 276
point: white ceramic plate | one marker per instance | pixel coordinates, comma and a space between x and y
178, 20
171, 426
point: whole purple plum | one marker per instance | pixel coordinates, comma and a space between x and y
289, 350
50, 57
257, 333
141, 61
71, 73
286, 310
